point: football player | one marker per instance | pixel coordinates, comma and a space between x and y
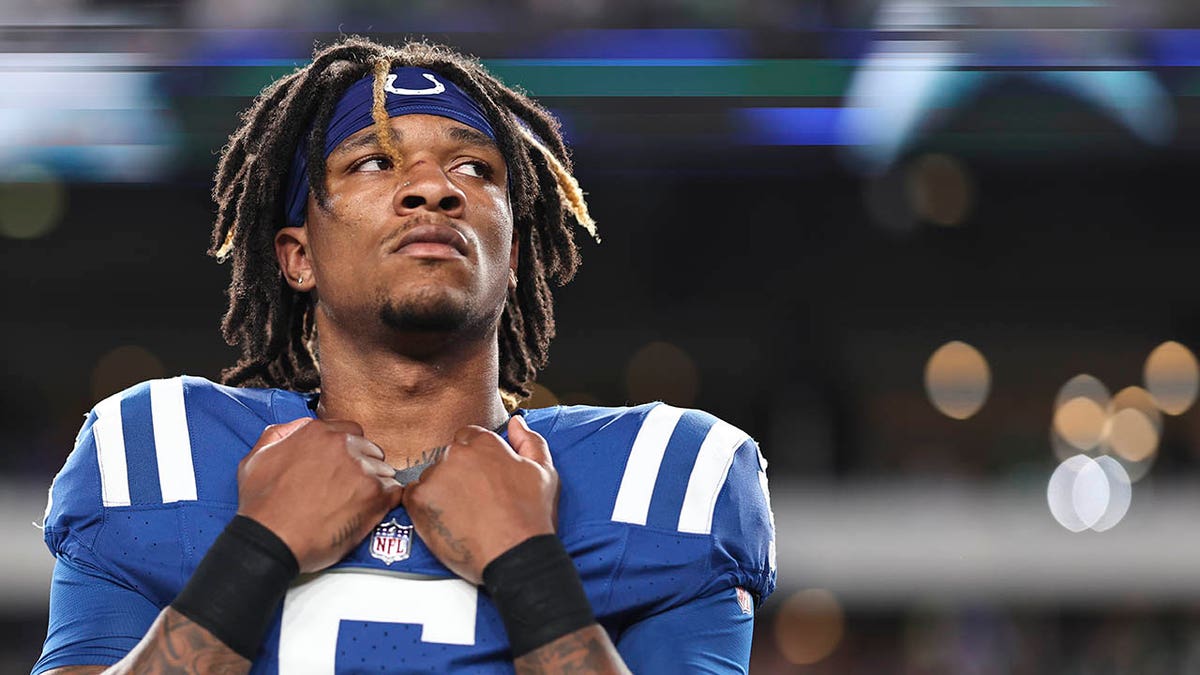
361, 492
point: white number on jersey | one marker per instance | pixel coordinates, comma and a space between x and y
312, 610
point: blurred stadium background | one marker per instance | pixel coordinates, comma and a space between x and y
936, 256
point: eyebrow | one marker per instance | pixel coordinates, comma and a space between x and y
472, 136
467, 135
365, 140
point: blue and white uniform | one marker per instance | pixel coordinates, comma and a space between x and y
665, 512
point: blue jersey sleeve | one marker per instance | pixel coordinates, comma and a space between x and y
693, 500
114, 525
94, 619
743, 525
711, 634
74, 513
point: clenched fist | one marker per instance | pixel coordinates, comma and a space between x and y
319, 485
484, 496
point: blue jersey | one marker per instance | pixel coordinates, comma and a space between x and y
665, 512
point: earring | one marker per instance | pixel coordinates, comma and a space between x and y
300, 279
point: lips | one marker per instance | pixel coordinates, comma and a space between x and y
432, 239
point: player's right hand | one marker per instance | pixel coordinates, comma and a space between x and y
319, 485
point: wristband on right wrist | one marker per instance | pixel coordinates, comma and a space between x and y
234, 591
538, 593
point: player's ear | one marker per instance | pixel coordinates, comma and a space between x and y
291, 250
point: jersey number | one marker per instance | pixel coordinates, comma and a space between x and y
312, 610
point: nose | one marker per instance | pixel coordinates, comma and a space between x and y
426, 187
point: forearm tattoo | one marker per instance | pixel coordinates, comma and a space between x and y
579, 652
182, 647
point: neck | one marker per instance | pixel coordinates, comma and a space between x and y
407, 404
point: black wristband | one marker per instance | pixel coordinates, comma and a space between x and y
537, 590
234, 591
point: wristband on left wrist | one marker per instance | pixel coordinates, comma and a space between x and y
238, 584
538, 593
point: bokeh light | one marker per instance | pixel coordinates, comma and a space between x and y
1080, 422
957, 379
1133, 431
32, 202
1120, 493
1172, 377
1080, 413
1131, 435
1139, 399
1088, 493
1083, 386
123, 367
939, 189
660, 371
809, 626
1078, 493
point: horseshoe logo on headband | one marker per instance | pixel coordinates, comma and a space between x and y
437, 87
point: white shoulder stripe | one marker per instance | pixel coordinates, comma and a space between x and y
708, 476
110, 452
172, 443
645, 457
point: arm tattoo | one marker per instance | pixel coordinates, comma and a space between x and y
462, 554
579, 652
345, 532
178, 646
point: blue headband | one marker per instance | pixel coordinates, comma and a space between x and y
409, 91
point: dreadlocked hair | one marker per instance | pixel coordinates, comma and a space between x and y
274, 325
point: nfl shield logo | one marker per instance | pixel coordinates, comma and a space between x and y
391, 542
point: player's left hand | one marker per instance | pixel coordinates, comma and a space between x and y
483, 497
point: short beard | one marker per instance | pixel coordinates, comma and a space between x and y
410, 318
